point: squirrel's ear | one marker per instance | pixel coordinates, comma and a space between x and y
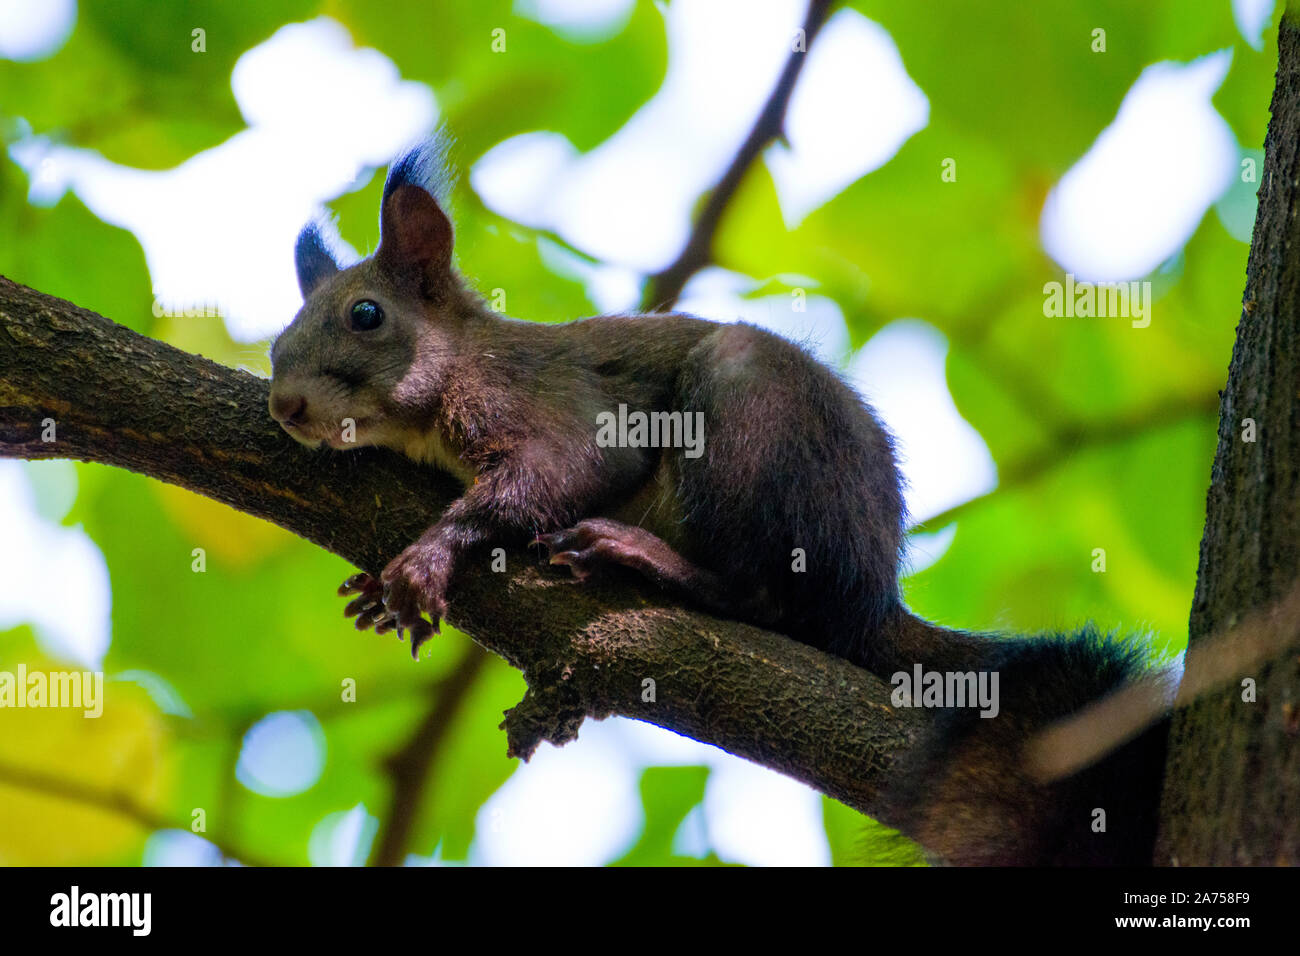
316, 254
414, 232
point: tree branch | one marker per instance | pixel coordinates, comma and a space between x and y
586, 649
1074, 438
664, 287
112, 801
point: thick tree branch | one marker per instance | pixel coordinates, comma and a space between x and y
664, 287
588, 649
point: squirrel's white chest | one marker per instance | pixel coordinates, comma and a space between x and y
432, 448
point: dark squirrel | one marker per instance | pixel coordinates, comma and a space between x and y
400, 351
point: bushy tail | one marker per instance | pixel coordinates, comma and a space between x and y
970, 792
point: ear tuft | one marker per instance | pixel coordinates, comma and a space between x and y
320, 252
425, 165
415, 233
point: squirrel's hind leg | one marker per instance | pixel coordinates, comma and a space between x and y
601, 542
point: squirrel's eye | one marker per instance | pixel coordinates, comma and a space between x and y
366, 315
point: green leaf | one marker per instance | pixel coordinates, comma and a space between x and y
668, 795
69, 252
129, 83
859, 841
489, 94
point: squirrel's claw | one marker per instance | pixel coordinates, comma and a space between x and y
577, 548
355, 584
420, 633
575, 561
360, 605
368, 606
372, 617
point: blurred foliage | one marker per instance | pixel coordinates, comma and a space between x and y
668, 795
1103, 435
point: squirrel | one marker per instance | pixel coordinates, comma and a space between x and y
398, 351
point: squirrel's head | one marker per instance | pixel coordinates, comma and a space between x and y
365, 356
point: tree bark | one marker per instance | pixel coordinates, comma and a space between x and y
585, 649
1232, 786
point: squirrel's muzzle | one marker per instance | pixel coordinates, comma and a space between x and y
288, 408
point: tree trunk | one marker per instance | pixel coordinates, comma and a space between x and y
1232, 786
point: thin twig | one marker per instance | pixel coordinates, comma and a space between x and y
1078, 437
409, 767
666, 286
112, 801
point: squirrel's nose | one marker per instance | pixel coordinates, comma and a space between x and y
289, 409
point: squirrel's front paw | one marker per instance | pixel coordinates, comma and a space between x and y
413, 584
372, 608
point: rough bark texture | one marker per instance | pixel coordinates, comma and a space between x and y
122, 399
1232, 790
